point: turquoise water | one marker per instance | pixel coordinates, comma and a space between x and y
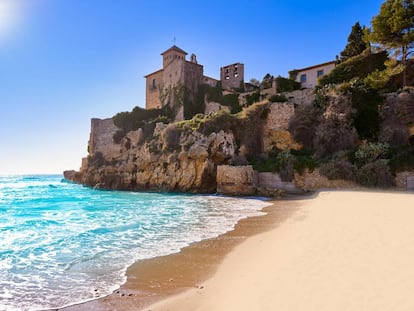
61, 243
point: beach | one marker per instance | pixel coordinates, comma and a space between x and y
340, 250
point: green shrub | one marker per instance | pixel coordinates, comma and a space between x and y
339, 169
358, 66
286, 85
253, 98
281, 162
370, 152
269, 164
304, 159
278, 98
221, 121
381, 79
366, 102
231, 101
138, 117
375, 174
402, 158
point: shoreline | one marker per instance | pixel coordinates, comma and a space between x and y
333, 250
344, 250
155, 279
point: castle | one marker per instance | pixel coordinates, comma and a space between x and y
177, 71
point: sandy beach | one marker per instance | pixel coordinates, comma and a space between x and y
339, 250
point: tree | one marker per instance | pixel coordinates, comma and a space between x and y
267, 81
393, 29
356, 44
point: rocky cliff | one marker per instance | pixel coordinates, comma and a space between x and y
172, 160
179, 156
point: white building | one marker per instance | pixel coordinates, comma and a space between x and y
308, 77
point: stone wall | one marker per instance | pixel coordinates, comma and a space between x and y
301, 97
275, 134
101, 138
236, 180
152, 94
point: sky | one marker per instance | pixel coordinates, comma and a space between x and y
63, 62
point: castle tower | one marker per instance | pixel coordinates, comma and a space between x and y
172, 54
231, 76
176, 73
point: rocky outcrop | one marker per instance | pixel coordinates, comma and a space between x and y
236, 180
170, 159
275, 133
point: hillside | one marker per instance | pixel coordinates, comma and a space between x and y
356, 127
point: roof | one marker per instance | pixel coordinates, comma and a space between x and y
314, 66
152, 73
175, 48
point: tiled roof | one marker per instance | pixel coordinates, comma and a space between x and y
175, 48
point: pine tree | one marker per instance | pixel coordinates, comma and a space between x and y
393, 29
356, 44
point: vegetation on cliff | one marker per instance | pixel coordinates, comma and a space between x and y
358, 128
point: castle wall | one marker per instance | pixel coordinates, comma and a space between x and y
101, 138
173, 73
193, 75
232, 75
210, 81
153, 82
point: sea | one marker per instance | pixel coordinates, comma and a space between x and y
63, 244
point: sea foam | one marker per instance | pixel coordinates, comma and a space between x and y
61, 243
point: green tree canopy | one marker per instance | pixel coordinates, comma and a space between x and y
267, 81
393, 28
356, 44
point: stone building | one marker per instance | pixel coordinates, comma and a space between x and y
308, 77
232, 76
176, 72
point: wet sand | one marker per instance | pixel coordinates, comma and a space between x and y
158, 278
341, 250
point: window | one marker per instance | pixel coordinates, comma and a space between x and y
154, 84
319, 73
303, 78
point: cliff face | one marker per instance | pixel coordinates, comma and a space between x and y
172, 160
174, 157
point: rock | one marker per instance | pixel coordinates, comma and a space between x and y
236, 180
198, 151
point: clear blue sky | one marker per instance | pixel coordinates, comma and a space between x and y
63, 62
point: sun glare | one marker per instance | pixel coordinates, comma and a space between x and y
8, 16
